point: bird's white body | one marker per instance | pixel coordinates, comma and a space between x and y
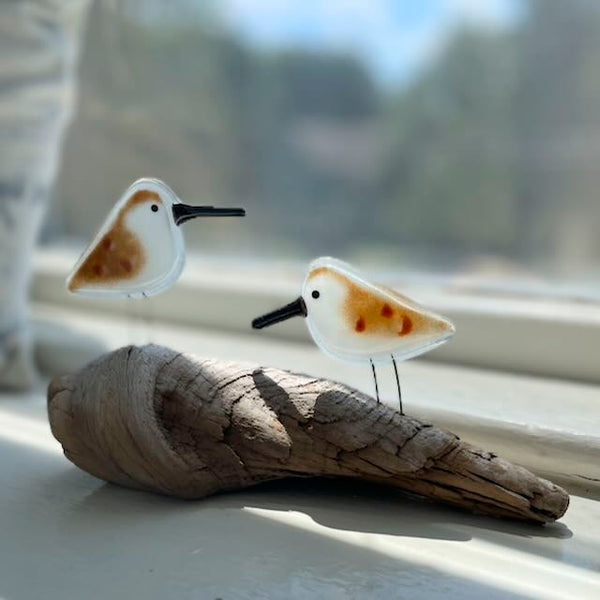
353, 319
139, 250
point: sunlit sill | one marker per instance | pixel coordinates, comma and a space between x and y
391, 545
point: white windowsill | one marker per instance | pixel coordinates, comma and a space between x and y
66, 534
547, 337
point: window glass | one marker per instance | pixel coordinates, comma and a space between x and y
434, 136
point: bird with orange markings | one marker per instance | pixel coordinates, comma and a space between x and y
139, 250
353, 319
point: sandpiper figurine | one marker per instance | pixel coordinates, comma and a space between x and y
353, 319
139, 250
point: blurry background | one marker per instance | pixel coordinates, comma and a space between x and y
448, 137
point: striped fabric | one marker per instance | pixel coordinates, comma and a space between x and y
38, 52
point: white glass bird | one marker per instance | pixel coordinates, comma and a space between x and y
353, 319
139, 250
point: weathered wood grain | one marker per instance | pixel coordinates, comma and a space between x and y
151, 418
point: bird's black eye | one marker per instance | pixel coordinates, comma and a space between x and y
154, 208
315, 294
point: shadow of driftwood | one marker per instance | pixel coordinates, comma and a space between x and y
156, 547
86, 518
226, 526
389, 510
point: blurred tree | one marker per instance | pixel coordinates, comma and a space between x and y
558, 127
449, 181
300, 194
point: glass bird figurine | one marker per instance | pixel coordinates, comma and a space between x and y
139, 250
353, 319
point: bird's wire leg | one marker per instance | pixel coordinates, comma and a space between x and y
398, 384
375, 378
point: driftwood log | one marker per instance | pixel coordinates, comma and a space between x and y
155, 419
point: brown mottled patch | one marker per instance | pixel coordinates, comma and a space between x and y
367, 304
140, 197
360, 324
407, 326
119, 254
322, 270
387, 311
126, 265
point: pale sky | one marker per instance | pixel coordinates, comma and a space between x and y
395, 38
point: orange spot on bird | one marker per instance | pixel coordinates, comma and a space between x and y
126, 264
407, 326
387, 311
360, 324
108, 244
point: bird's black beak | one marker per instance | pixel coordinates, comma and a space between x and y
293, 309
185, 212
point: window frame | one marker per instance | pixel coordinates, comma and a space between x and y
550, 337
